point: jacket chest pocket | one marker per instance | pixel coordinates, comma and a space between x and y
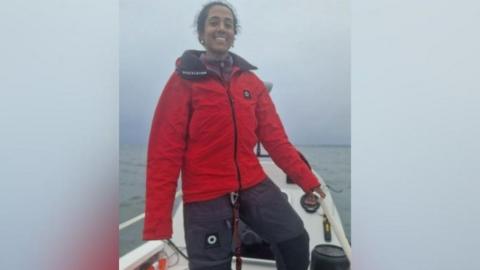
245, 107
208, 99
210, 113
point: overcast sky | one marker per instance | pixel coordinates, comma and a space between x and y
302, 47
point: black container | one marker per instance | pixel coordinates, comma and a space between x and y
329, 257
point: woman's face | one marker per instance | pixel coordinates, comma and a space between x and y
219, 32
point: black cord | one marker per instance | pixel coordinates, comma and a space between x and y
174, 247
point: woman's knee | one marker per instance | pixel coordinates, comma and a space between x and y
294, 253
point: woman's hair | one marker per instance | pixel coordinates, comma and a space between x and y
203, 14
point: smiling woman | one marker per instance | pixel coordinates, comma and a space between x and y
210, 116
217, 30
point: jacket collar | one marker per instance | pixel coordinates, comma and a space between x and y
190, 67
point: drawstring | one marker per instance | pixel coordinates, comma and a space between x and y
234, 199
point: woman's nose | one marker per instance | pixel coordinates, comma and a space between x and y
221, 27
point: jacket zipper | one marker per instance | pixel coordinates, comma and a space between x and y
235, 138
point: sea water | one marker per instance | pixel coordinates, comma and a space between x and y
331, 162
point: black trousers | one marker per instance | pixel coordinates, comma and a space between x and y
208, 229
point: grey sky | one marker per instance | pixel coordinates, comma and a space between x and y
303, 47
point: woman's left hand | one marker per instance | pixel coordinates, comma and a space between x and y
320, 191
311, 199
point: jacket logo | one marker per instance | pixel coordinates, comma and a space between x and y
246, 94
194, 73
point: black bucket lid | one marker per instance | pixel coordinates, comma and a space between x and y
329, 250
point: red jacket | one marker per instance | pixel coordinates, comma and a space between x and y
208, 129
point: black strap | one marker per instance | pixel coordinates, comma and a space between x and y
235, 200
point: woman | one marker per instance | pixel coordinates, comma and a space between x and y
210, 116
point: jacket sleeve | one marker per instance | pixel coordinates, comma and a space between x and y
164, 158
272, 135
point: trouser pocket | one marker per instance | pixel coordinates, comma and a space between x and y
208, 234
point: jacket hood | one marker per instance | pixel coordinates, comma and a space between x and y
190, 67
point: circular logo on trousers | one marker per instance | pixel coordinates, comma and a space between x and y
212, 240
